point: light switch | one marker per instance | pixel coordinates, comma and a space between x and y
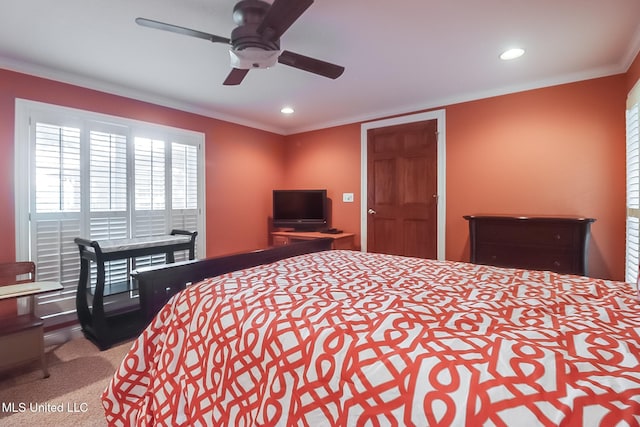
347, 197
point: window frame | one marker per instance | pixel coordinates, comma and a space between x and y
66, 116
632, 172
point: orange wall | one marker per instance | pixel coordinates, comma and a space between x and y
242, 164
242, 171
551, 151
328, 159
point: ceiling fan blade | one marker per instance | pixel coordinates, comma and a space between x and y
235, 77
311, 65
181, 30
280, 16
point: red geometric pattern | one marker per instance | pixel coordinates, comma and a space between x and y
347, 338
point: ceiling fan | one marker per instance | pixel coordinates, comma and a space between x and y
255, 42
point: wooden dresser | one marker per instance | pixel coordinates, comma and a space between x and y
557, 244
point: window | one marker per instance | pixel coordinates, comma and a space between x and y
99, 177
632, 257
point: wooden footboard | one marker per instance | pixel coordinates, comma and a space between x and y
157, 284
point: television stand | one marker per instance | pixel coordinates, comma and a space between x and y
340, 240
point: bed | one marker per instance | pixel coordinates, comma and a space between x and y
345, 338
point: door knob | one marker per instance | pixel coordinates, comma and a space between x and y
371, 212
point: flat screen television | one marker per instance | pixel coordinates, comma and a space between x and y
303, 210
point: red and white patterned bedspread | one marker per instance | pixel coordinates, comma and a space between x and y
348, 338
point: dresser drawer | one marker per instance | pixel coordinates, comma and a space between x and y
536, 233
280, 240
531, 257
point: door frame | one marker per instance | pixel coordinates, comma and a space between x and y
439, 116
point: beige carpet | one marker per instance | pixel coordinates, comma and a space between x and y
70, 396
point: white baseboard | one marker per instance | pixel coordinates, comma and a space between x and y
62, 335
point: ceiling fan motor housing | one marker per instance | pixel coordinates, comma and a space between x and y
248, 15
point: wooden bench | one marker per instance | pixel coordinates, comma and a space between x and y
107, 312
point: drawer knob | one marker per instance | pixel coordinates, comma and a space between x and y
558, 236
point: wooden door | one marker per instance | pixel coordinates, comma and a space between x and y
402, 189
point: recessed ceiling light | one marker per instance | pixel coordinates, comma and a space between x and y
512, 54
286, 110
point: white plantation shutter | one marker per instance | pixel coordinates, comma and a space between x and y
184, 192
55, 214
108, 216
108, 172
57, 257
150, 215
57, 168
184, 161
149, 174
98, 177
632, 257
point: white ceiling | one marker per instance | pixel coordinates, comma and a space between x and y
400, 56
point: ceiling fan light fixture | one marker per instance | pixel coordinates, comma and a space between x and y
287, 110
510, 54
249, 58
